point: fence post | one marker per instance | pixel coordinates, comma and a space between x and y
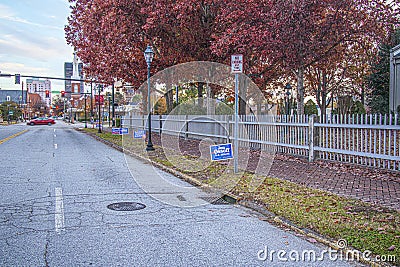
131, 119
160, 117
186, 127
311, 138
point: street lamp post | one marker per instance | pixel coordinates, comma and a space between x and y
288, 87
70, 115
85, 95
113, 106
109, 110
64, 108
85, 113
148, 55
91, 99
99, 110
20, 105
8, 113
29, 109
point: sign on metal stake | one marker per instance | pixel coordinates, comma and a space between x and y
237, 67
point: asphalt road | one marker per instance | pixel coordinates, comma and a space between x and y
56, 184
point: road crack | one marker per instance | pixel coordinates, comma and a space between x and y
46, 251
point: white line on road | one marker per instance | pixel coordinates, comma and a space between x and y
59, 212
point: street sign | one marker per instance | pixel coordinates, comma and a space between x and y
139, 134
17, 78
120, 131
221, 152
237, 63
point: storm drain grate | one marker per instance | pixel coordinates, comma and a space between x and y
126, 206
216, 200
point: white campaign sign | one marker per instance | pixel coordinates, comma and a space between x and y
237, 63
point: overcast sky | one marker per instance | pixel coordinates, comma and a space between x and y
32, 40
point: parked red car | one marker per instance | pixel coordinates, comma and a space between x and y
41, 121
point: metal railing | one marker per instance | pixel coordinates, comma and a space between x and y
369, 140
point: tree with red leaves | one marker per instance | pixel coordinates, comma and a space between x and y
275, 36
300, 33
108, 38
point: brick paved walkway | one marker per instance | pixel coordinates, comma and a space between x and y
373, 186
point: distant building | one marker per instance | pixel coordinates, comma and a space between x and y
69, 73
394, 93
12, 95
37, 86
74, 89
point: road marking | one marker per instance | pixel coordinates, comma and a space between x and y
12, 136
59, 212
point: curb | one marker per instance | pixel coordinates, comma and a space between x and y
233, 199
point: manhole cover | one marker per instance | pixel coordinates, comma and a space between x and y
126, 206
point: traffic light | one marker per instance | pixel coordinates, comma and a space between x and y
17, 78
47, 93
62, 93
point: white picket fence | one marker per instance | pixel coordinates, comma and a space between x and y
369, 140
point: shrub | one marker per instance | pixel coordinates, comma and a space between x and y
310, 108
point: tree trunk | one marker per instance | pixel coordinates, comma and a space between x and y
210, 101
300, 91
345, 104
323, 104
200, 90
169, 96
323, 95
144, 102
362, 95
258, 108
169, 99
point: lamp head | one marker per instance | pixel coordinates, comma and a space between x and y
148, 54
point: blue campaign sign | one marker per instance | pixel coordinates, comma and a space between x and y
139, 134
120, 131
116, 131
221, 152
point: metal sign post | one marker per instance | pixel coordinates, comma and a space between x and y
237, 67
236, 128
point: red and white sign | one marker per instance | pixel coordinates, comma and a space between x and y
237, 63
96, 98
